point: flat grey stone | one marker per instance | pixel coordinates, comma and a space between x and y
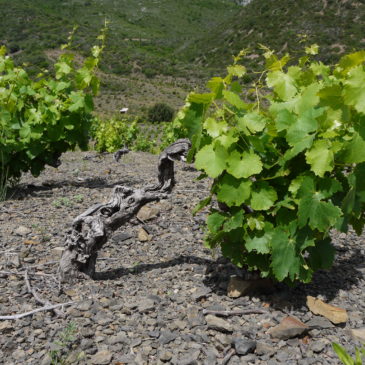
211, 356
14, 260
319, 322
85, 305
86, 343
218, 324
103, 357
46, 360
87, 332
195, 317
263, 348
136, 342
282, 355
19, 354
188, 358
121, 337
120, 237
103, 318
154, 334
146, 305
201, 293
167, 337
244, 346
22, 231
165, 356
318, 346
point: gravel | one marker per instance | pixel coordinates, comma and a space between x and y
146, 306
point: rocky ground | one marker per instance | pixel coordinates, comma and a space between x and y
156, 282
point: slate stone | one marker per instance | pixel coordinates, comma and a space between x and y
211, 356
189, 358
103, 357
167, 337
289, 327
282, 356
318, 346
218, 324
87, 332
146, 305
103, 318
244, 346
359, 334
22, 231
319, 323
136, 342
165, 356
86, 343
263, 348
19, 354
84, 305
201, 293
120, 237
121, 337
154, 334
195, 317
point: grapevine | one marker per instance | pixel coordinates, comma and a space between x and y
42, 118
287, 165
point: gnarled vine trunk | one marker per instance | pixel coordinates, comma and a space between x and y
91, 229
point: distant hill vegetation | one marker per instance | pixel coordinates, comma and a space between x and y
337, 26
158, 50
143, 34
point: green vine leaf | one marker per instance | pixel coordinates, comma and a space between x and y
234, 99
320, 157
313, 210
215, 128
354, 91
215, 222
234, 222
233, 192
285, 261
263, 196
354, 150
261, 242
321, 256
283, 84
212, 159
244, 165
253, 121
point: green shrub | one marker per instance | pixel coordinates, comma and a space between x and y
287, 167
112, 134
160, 112
40, 119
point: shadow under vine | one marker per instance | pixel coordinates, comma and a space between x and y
22, 191
138, 269
345, 273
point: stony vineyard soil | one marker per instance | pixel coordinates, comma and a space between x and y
146, 306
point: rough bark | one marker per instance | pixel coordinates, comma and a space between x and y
91, 229
166, 178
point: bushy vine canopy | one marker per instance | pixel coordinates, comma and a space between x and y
287, 158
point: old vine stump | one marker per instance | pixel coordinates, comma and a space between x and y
91, 229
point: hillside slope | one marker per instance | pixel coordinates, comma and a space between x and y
142, 35
140, 56
336, 25
159, 50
